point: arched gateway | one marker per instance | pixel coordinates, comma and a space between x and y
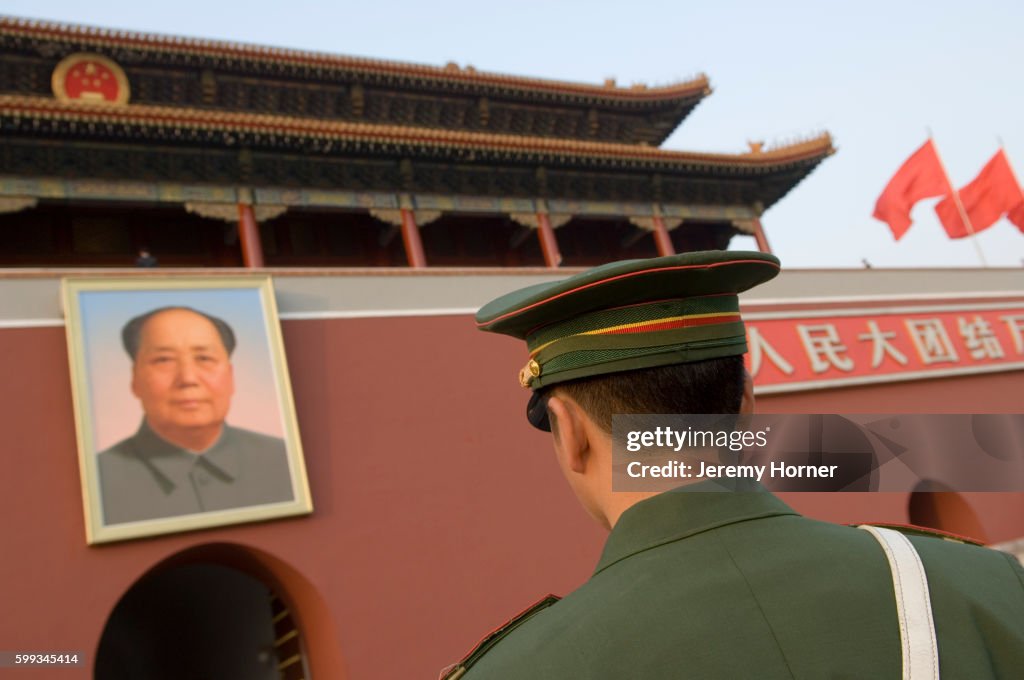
212, 611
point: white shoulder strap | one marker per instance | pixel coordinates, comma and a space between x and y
913, 605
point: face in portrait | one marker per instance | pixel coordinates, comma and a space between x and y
182, 375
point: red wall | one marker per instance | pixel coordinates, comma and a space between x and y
1000, 516
438, 511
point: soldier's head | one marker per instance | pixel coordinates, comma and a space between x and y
642, 336
709, 386
181, 372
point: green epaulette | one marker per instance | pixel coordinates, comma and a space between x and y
459, 669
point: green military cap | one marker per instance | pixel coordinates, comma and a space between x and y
629, 315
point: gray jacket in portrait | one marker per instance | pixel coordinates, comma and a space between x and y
145, 477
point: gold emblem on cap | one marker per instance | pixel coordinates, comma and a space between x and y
528, 372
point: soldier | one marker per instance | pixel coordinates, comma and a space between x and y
719, 585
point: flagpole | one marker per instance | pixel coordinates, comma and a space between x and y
959, 206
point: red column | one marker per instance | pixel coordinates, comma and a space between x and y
548, 243
411, 238
661, 238
249, 236
762, 240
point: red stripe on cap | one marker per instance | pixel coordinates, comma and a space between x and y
623, 276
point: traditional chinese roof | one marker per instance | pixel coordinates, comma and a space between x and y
774, 171
229, 114
652, 112
98, 120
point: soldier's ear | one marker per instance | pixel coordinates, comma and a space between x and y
568, 433
747, 405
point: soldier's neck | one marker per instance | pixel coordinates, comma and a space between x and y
618, 502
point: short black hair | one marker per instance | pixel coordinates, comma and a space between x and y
131, 334
709, 386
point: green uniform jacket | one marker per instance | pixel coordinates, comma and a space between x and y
146, 477
737, 585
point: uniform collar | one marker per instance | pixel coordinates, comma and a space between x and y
168, 462
683, 512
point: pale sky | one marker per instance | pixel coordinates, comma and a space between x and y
876, 75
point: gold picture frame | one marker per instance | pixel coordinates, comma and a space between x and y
183, 406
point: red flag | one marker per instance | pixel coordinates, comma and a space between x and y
1017, 216
921, 176
992, 194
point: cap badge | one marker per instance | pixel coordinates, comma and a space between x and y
528, 372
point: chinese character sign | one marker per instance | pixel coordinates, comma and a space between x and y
883, 344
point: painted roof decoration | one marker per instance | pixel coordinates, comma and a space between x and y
90, 78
